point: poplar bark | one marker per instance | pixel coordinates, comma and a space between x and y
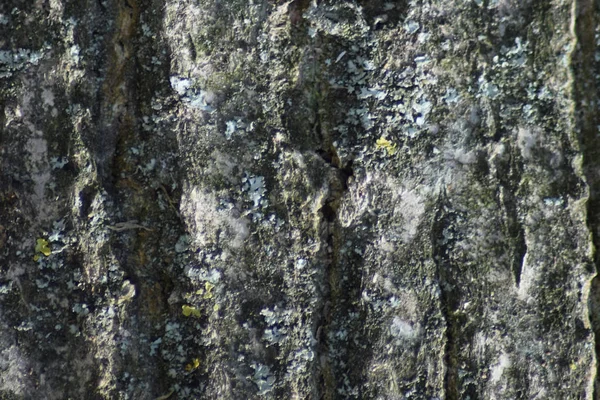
305, 199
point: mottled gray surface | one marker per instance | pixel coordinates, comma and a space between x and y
308, 199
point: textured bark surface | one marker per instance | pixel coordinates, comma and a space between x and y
307, 199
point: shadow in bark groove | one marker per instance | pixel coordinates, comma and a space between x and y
509, 176
449, 295
585, 69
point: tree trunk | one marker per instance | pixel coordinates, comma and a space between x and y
311, 199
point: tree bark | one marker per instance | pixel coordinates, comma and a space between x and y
305, 199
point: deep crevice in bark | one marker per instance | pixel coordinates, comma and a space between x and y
447, 297
584, 70
333, 299
141, 261
509, 182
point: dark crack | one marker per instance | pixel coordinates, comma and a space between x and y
510, 177
441, 222
585, 70
333, 297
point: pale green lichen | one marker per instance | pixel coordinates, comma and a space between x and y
42, 246
207, 291
193, 365
385, 144
190, 311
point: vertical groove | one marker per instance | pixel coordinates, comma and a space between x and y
334, 295
451, 389
583, 91
118, 97
509, 180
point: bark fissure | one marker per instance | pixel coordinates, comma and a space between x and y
117, 115
334, 298
584, 70
439, 255
509, 181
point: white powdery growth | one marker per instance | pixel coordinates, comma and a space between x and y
412, 208
527, 140
402, 329
38, 152
194, 98
498, 369
14, 365
405, 203
460, 156
537, 148
409, 206
223, 166
529, 275
207, 219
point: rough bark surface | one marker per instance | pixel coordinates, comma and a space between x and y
352, 199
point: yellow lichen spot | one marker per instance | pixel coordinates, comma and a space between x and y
216, 308
573, 366
208, 287
42, 246
36, 258
193, 365
383, 143
189, 311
